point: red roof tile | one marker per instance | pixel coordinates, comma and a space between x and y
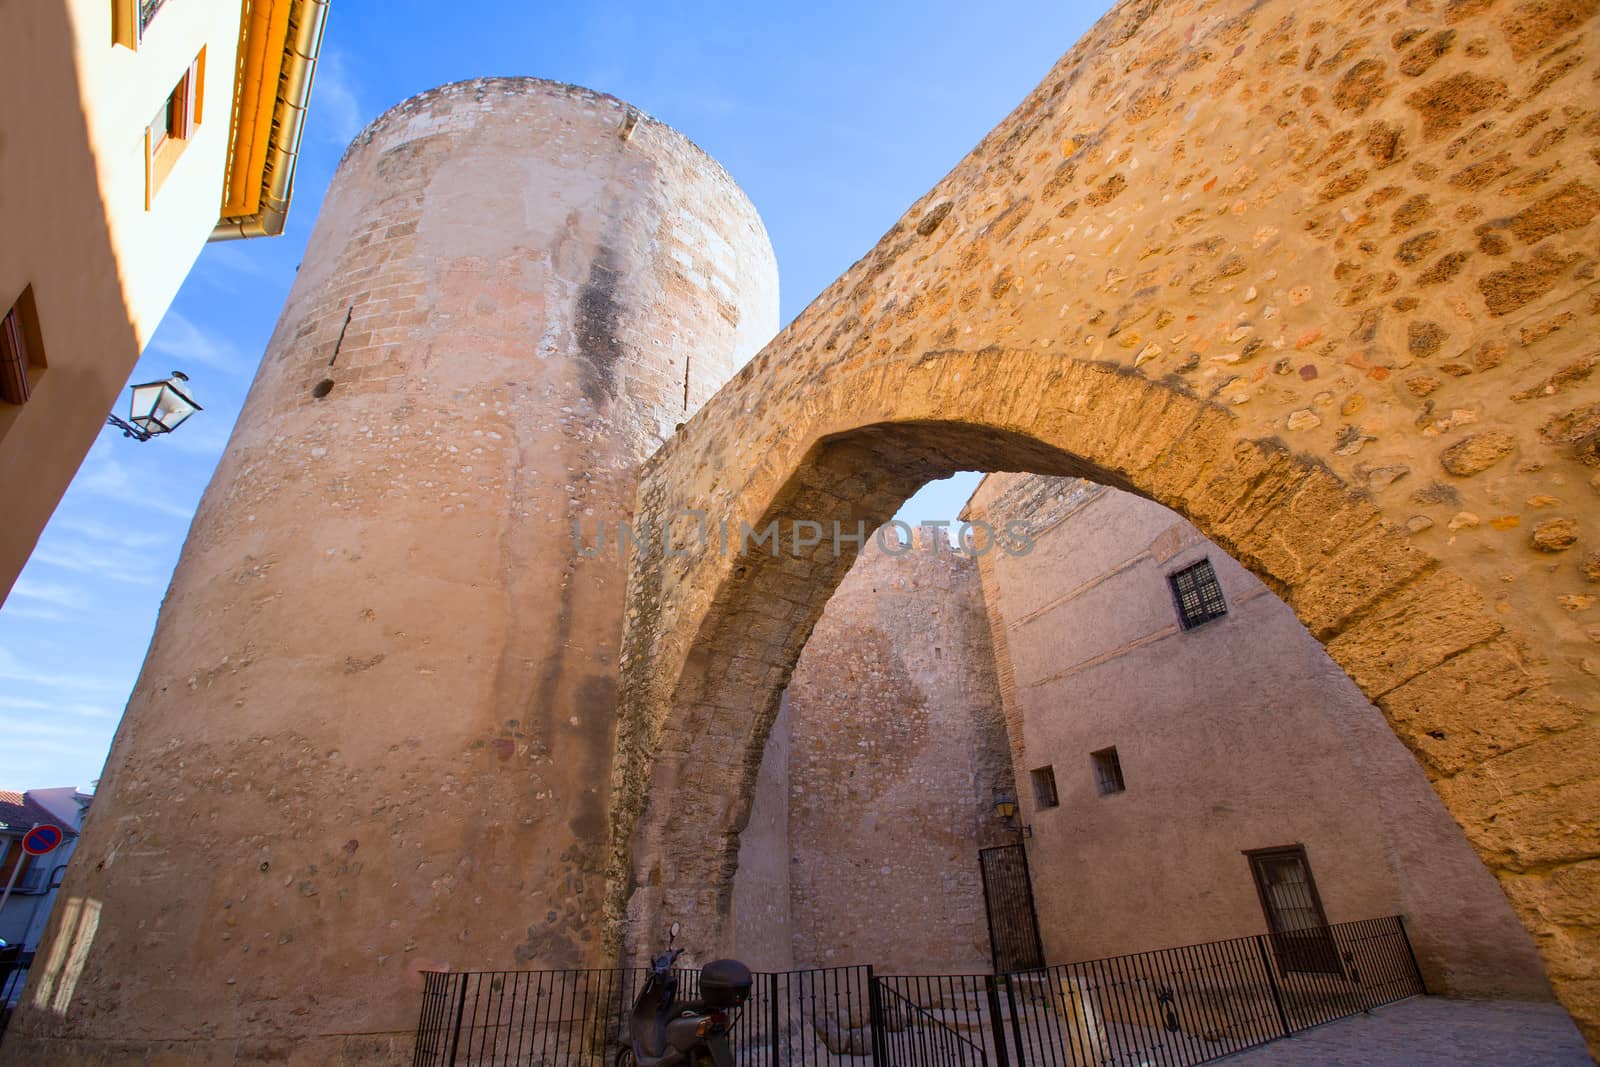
20, 813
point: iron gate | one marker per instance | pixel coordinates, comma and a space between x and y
1008, 898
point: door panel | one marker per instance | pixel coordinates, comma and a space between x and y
1008, 895
1295, 919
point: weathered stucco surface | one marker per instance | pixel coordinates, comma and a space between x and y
1238, 734
374, 729
1322, 281
893, 745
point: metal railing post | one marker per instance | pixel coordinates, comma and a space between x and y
996, 1023
772, 1015
1016, 1017
875, 1020
1272, 983
1411, 952
461, 1007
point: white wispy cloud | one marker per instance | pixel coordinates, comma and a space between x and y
55, 746
187, 344
122, 536
87, 711
105, 475
231, 256
13, 670
206, 434
53, 593
37, 727
17, 610
106, 561
335, 106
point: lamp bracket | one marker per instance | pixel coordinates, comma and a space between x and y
128, 429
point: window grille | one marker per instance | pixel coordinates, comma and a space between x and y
147, 13
1198, 594
1108, 771
131, 18
1044, 787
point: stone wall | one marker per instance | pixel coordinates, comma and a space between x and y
896, 748
1237, 734
894, 745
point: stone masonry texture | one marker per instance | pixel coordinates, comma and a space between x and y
1322, 281
373, 731
894, 749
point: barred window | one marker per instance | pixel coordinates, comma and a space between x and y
1044, 787
1198, 595
1108, 771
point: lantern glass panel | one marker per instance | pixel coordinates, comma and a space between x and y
172, 408
160, 407
142, 406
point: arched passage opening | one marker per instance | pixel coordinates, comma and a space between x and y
713, 637
1154, 749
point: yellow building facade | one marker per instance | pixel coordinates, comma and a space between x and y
134, 132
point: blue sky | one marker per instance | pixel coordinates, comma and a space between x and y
833, 117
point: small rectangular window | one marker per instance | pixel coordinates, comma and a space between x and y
1198, 594
177, 118
174, 124
21, 354
1044, 787
130, 19
1107, 771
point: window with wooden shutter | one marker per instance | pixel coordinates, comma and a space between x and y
174, 125
21, 354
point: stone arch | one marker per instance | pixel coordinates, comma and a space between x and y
1317, 284
1394, 617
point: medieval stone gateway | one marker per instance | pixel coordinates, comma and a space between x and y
1322, 282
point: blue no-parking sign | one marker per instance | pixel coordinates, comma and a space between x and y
41, 839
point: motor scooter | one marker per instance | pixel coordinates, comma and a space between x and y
664, 1031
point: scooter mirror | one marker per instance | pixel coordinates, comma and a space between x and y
672, 932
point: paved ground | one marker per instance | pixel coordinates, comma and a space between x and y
1432, 1032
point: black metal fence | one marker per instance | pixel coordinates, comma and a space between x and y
1171, 1007
923, 1030
577, 1018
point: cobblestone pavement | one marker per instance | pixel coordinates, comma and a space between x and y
1432, 1032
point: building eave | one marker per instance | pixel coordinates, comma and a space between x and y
279, 42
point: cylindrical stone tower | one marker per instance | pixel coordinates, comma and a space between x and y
373, 733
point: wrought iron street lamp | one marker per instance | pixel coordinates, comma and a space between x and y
156, 408
1006, 810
